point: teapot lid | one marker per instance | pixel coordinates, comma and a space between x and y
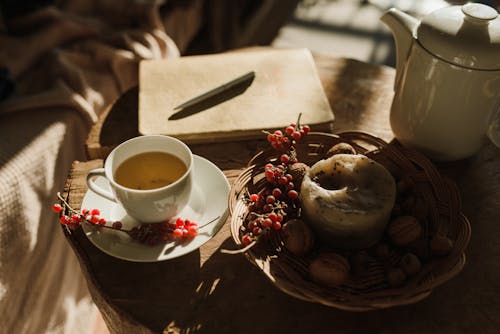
468, 35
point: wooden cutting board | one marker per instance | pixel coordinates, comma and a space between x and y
286, 84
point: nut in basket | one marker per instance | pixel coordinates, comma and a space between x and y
416, 243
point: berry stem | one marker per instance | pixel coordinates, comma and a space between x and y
66, 204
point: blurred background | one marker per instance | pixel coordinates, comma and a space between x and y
351, 28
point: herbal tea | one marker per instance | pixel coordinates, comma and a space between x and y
149, 170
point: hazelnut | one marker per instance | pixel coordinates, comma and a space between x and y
340, 148
330, 269
298, 237
441, 245
396, 277
410, 264
404, 230
298, 170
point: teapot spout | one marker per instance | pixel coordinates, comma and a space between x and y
403, 27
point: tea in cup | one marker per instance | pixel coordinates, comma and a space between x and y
150, 177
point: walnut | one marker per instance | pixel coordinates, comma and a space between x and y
404, 230
410, 264
329, 269
441, 245
298, 170
340, 148
298, 237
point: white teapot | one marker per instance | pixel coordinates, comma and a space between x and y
447, 86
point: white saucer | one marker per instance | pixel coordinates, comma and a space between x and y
209, 200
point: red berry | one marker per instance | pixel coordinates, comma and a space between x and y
271, 138
102, 221
179, 223
85, 211
278, 133
94, 219
277, 225
277, 192
267, 222
279, 218
282, 180
65, 220
257, 231
269, 166
273, 216
95, 212
293, 125
117, 225
306, 129
193, 230
246, 239
289, 130
76, 218
292, 194
289, 177
267, 208
177, 233
57, 208
185, 233
284, 158
252, 224
254, 197
270, 199
296, 135
290, 185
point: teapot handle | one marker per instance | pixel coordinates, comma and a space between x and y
494, 127
403, 27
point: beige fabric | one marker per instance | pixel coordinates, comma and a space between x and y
43, 129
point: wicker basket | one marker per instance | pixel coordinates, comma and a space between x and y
369, 291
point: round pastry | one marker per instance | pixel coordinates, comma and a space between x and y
347, 200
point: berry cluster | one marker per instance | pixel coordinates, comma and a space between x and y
147, 233
278, 200
283, 142
157, 233
89, 216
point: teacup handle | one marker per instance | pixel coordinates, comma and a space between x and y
494, 128
95, 187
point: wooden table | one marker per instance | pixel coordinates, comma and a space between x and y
207, 291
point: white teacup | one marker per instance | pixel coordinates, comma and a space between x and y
154, 205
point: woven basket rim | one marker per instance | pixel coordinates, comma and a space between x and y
280, 268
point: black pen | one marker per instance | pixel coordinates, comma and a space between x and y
217, 90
